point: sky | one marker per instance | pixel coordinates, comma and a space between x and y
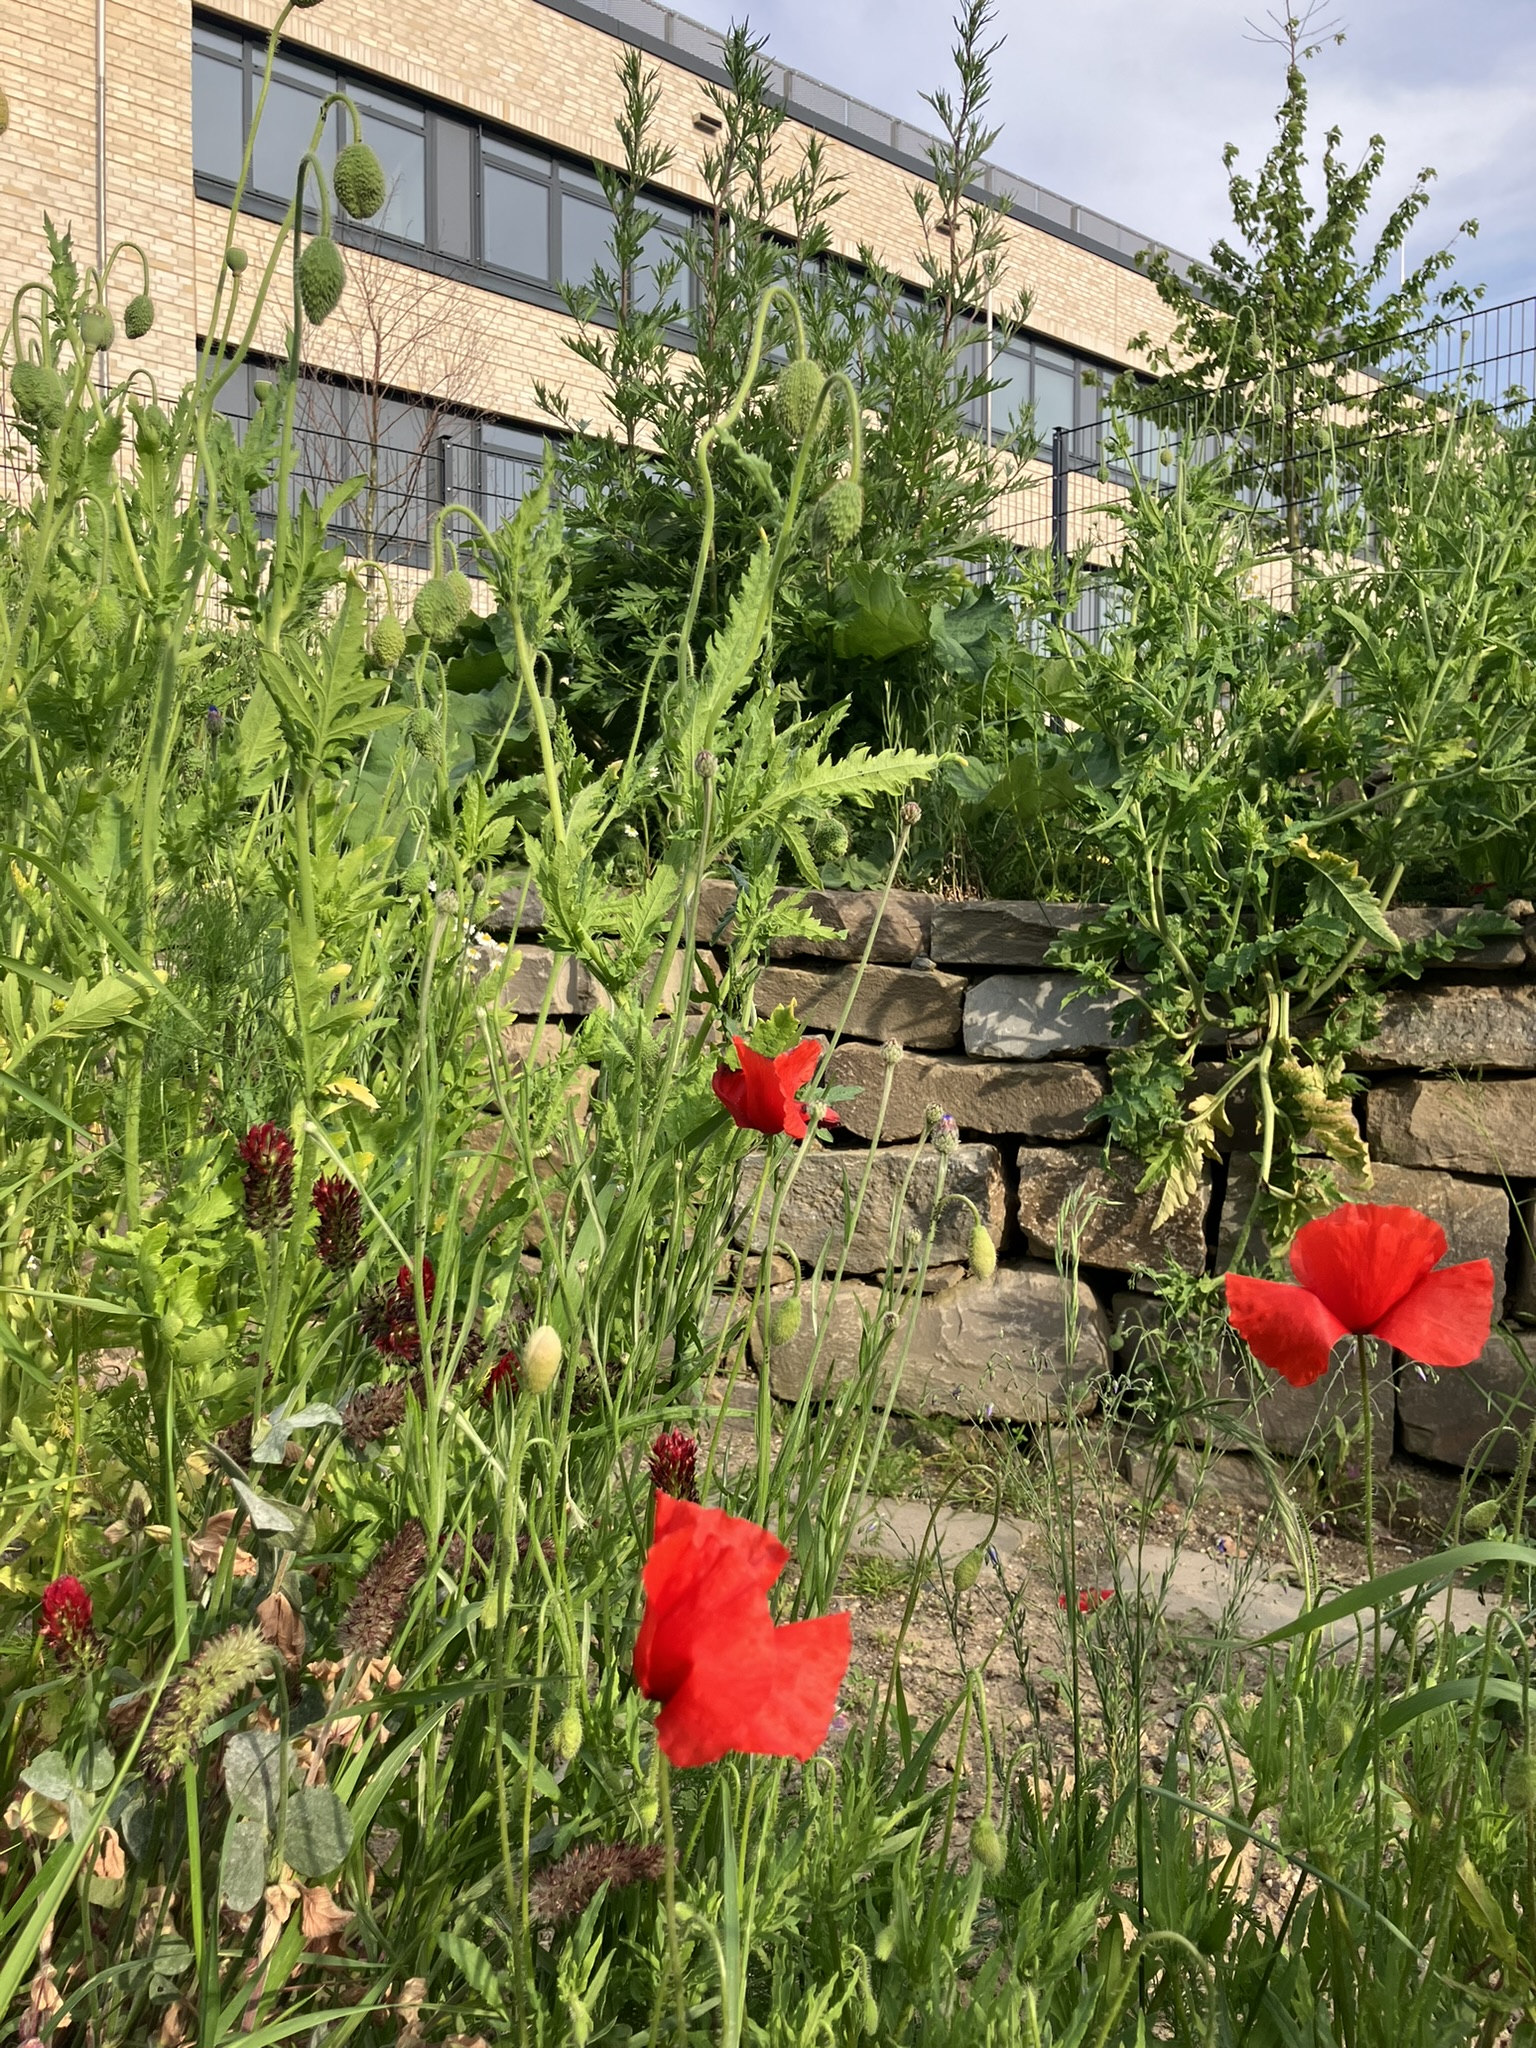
1125, 105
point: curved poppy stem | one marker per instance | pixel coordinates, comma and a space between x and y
1367, 1466
674, 1960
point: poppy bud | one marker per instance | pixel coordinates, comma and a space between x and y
885, 1943
541, 1359
1520, 1782
5, 111
261, 389
358, 181
106, 618
322, 279
424, 734
968, 1571
153, 431
829, 839
38, 394
436, 612
97, 330
236, 259
1478, 1520
463, 593
138, 316
987, 1847
796, 392
1338, 1730
784, 1320
706, 765
911, 814
983, 1253
388, 641
416, 879
567, 1736
840, 512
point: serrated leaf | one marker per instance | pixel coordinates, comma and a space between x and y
1338, 885
472, 1964
319, 1834
243, 1865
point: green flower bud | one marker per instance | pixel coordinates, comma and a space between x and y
829, 839
1478, 1520
106, 621
1520, 1782
97, 330
236, 259
796, 392
463, 593
968, 1571
568, 1732
436, 611
987, 1847
154, 429
138, 316
322, 279
262, 389
1338, 1730
983, 1253
39, 395
885, 1943
388, 641
424, 733
415, 879
540, 1361
358, 181
840, 512
784, 1320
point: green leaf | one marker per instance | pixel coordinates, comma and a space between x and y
319, 1834
1338, 885
1453, 1692
473, 1965
878, 616
268, 1516
49, 1776
243, 1865
253, 1773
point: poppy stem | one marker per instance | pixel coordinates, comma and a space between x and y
1367, 1465
674, 1960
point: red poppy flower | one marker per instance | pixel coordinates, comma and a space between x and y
1368, 1269
65, 1625
760, 1093
1089, 1598
728, 1679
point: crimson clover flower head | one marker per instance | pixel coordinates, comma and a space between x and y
388, 1317
1367, 1269
708, 1649
339, 1234
266, 1165
65, 1621
760, 1092
673, 1464
503, 1377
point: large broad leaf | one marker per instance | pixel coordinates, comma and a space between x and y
253, 1773
319, 1834
967, 638
243, 1865
878, 616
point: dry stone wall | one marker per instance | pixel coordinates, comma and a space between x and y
1015, 1052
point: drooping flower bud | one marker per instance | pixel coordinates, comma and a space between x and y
784, 1320
983, 1253
436, 612
138, 316
388, 641
106, 621
566, 1741
829, 839
840, 512
322, 279
987, 1847
541, 1359
358, 181
424, 734
968, 1570
1520, 1782
463, 593
796, 392
1338, 1730
38, 395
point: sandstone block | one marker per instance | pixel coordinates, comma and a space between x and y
516, 908
1486, 1127
1033, 1016
1418, 922
901, 935
556, 984
1522, 1285
1055, 1099
1476, 1025
819, 1206
992, 1349
1479, 1412
911, 1006
1115, 1226
1002, 934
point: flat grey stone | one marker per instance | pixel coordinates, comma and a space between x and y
906, 1529
517, 908
1418, 922
818, 1203
1479, 1411
985, 1350
1189, 1585
1034, 1016
909, 1006
1522, 1246
1479, 1025
1483, 1127
1002, 933
1056, 1099
1114, 1224
902, 933
572, 989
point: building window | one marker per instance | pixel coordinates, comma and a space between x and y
1039, 386
288, 128
515, 210
218, 104
397, 132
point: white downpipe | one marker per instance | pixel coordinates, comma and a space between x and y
102, 366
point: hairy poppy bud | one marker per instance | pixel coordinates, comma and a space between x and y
38, 394
987, 1847
968, 1571
1478, 1520
567, 1736
415, 880
436, 612
322, 279
796, 392
463, 593
388, 641
885, 1943
840, 512
106, 618
424, 733
784, 1320
97, 330
236, 259
138, 316
358, 181
1520, 1782
1338, 1730
153, 431
829, 839
983, 1253
541, 1359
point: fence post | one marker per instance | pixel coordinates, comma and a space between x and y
1059, 493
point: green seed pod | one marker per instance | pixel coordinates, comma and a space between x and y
106, 620
987, 1847
1520, 1782
415, 879
436, 611
236, 259
829, 839
796, 392
463, 593
97, 330
840, 512
784, 1320
358, 181
262, 389
138, 316
567, 1737
322, 279
1338, 1730
388, 641
39, 396
983, 1253
968, 1570
424, 734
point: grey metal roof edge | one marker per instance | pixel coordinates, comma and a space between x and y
629, 21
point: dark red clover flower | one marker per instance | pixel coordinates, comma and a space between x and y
761, 1093
708, 1648
266, 1162
339, 1232
1367, 1269
388, 1317
501, 1379
65, 1621
673, 1464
